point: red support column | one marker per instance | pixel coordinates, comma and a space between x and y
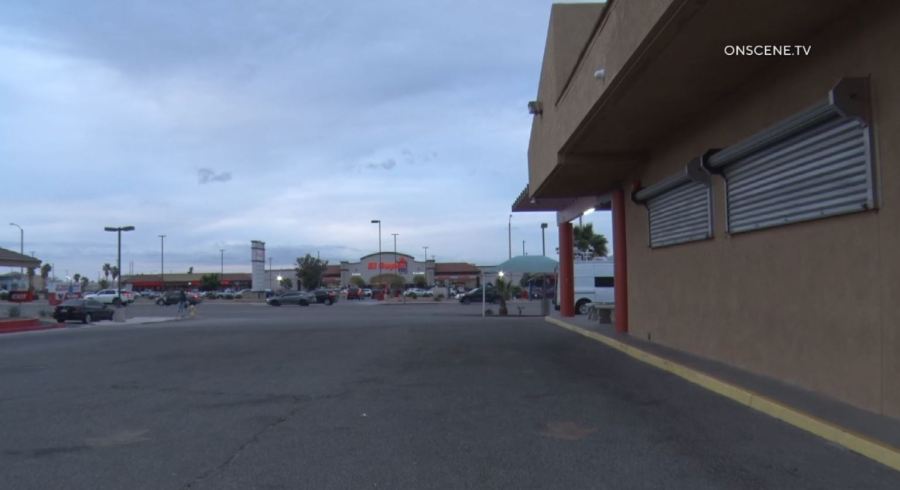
566, 271
621, 260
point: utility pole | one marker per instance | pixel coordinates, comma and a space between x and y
426, 252
270, 274
222, 264
523, 247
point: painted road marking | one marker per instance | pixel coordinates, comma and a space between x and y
870, 448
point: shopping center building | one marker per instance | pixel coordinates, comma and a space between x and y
748, 153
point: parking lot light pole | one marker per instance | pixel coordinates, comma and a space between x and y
379, 244
509, 235
222, 263
395, 246
543, 241
21, 243
162, 262
426, 252
119, 230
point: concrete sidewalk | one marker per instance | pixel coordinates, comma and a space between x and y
854, 421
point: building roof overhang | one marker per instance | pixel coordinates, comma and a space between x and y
9, 258
678, 70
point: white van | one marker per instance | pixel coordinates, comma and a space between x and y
593, 283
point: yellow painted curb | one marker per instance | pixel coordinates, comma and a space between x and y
870, 448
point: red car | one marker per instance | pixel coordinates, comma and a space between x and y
354, 293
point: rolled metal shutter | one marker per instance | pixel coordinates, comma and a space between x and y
815, 164
823, 171
681, 214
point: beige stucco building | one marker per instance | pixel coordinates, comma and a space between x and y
750, 154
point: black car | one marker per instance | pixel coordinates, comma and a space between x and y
84, 310
173, 297
475, 296
325, 296
292, 298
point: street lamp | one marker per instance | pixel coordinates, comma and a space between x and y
162, 261
21, 243
426, 252
222, 263
379, 244
119, 230
543, 242
523, 247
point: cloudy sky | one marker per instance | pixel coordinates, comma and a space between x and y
291, 122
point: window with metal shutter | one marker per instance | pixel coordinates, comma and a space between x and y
679, 208
813, 165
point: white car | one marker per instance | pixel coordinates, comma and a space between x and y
106, 296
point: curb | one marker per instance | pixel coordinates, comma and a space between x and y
870, 448
23, 325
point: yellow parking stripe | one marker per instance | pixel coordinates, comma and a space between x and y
870, 448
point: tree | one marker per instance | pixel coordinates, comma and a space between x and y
191, 270
114, 272
503, 290
103, 283
209, 282
106, 270
590, 243
45, 272
84, 283
286, 283
419, 281
77, 277
309, 271
357, 281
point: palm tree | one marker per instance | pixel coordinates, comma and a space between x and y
45, 273
84, 283
106, 270
77, 277
503, 289
586, 241
114, 272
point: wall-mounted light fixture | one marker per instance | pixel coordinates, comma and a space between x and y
589, 211
600, 73
535, 108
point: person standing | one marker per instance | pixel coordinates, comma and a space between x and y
182, 303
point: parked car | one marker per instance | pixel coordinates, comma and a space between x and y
367, 292
106, 296
83, 310
244, 292
325, 296
128, 296
475, 296
226, 294
354, 293
172, 297
301, 298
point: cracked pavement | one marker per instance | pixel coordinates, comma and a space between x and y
385, 397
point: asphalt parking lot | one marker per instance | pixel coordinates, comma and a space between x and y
359, 395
